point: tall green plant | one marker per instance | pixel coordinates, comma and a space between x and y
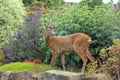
11, 12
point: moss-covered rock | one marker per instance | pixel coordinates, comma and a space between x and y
20, 66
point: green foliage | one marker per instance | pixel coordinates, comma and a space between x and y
91, 68
111, 59
11, 12
92, 3
27, 2
98, 22
25, 66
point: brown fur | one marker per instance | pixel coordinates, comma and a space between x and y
78, 42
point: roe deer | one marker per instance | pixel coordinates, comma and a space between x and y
78, 42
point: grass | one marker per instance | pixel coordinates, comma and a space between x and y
20, 66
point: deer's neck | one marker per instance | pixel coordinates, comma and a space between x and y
48, 39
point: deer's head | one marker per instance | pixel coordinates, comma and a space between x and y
48, 30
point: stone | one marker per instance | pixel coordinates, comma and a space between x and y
60, 75
1, 73
102, 76
89, 78
24, 75
48, 75
5, 75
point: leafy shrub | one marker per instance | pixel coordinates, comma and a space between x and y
25, 66
98, 22
26, 41
11, 13
111, 59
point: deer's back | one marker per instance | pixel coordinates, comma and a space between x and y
65, 43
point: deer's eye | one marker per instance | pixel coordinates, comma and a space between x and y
48, 29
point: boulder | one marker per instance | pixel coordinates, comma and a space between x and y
48, 75
1, 73
5, 75
89, 78
24, 75
60, 75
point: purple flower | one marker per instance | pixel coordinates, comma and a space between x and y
36, 41
26, 30
30, 43
34, 51
29, 18
25, 23
32, 23
15, 33
38, 13
19, 32
7, 49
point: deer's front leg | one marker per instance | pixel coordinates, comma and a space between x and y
54, 56
63, 61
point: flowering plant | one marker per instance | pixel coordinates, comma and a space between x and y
26, 40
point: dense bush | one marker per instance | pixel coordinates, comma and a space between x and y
93, 3
11, 12
26, 42
98, 22
111, 60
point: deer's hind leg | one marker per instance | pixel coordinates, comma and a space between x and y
89, 56
82, 55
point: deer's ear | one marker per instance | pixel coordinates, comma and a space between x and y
52, 25
46, 25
